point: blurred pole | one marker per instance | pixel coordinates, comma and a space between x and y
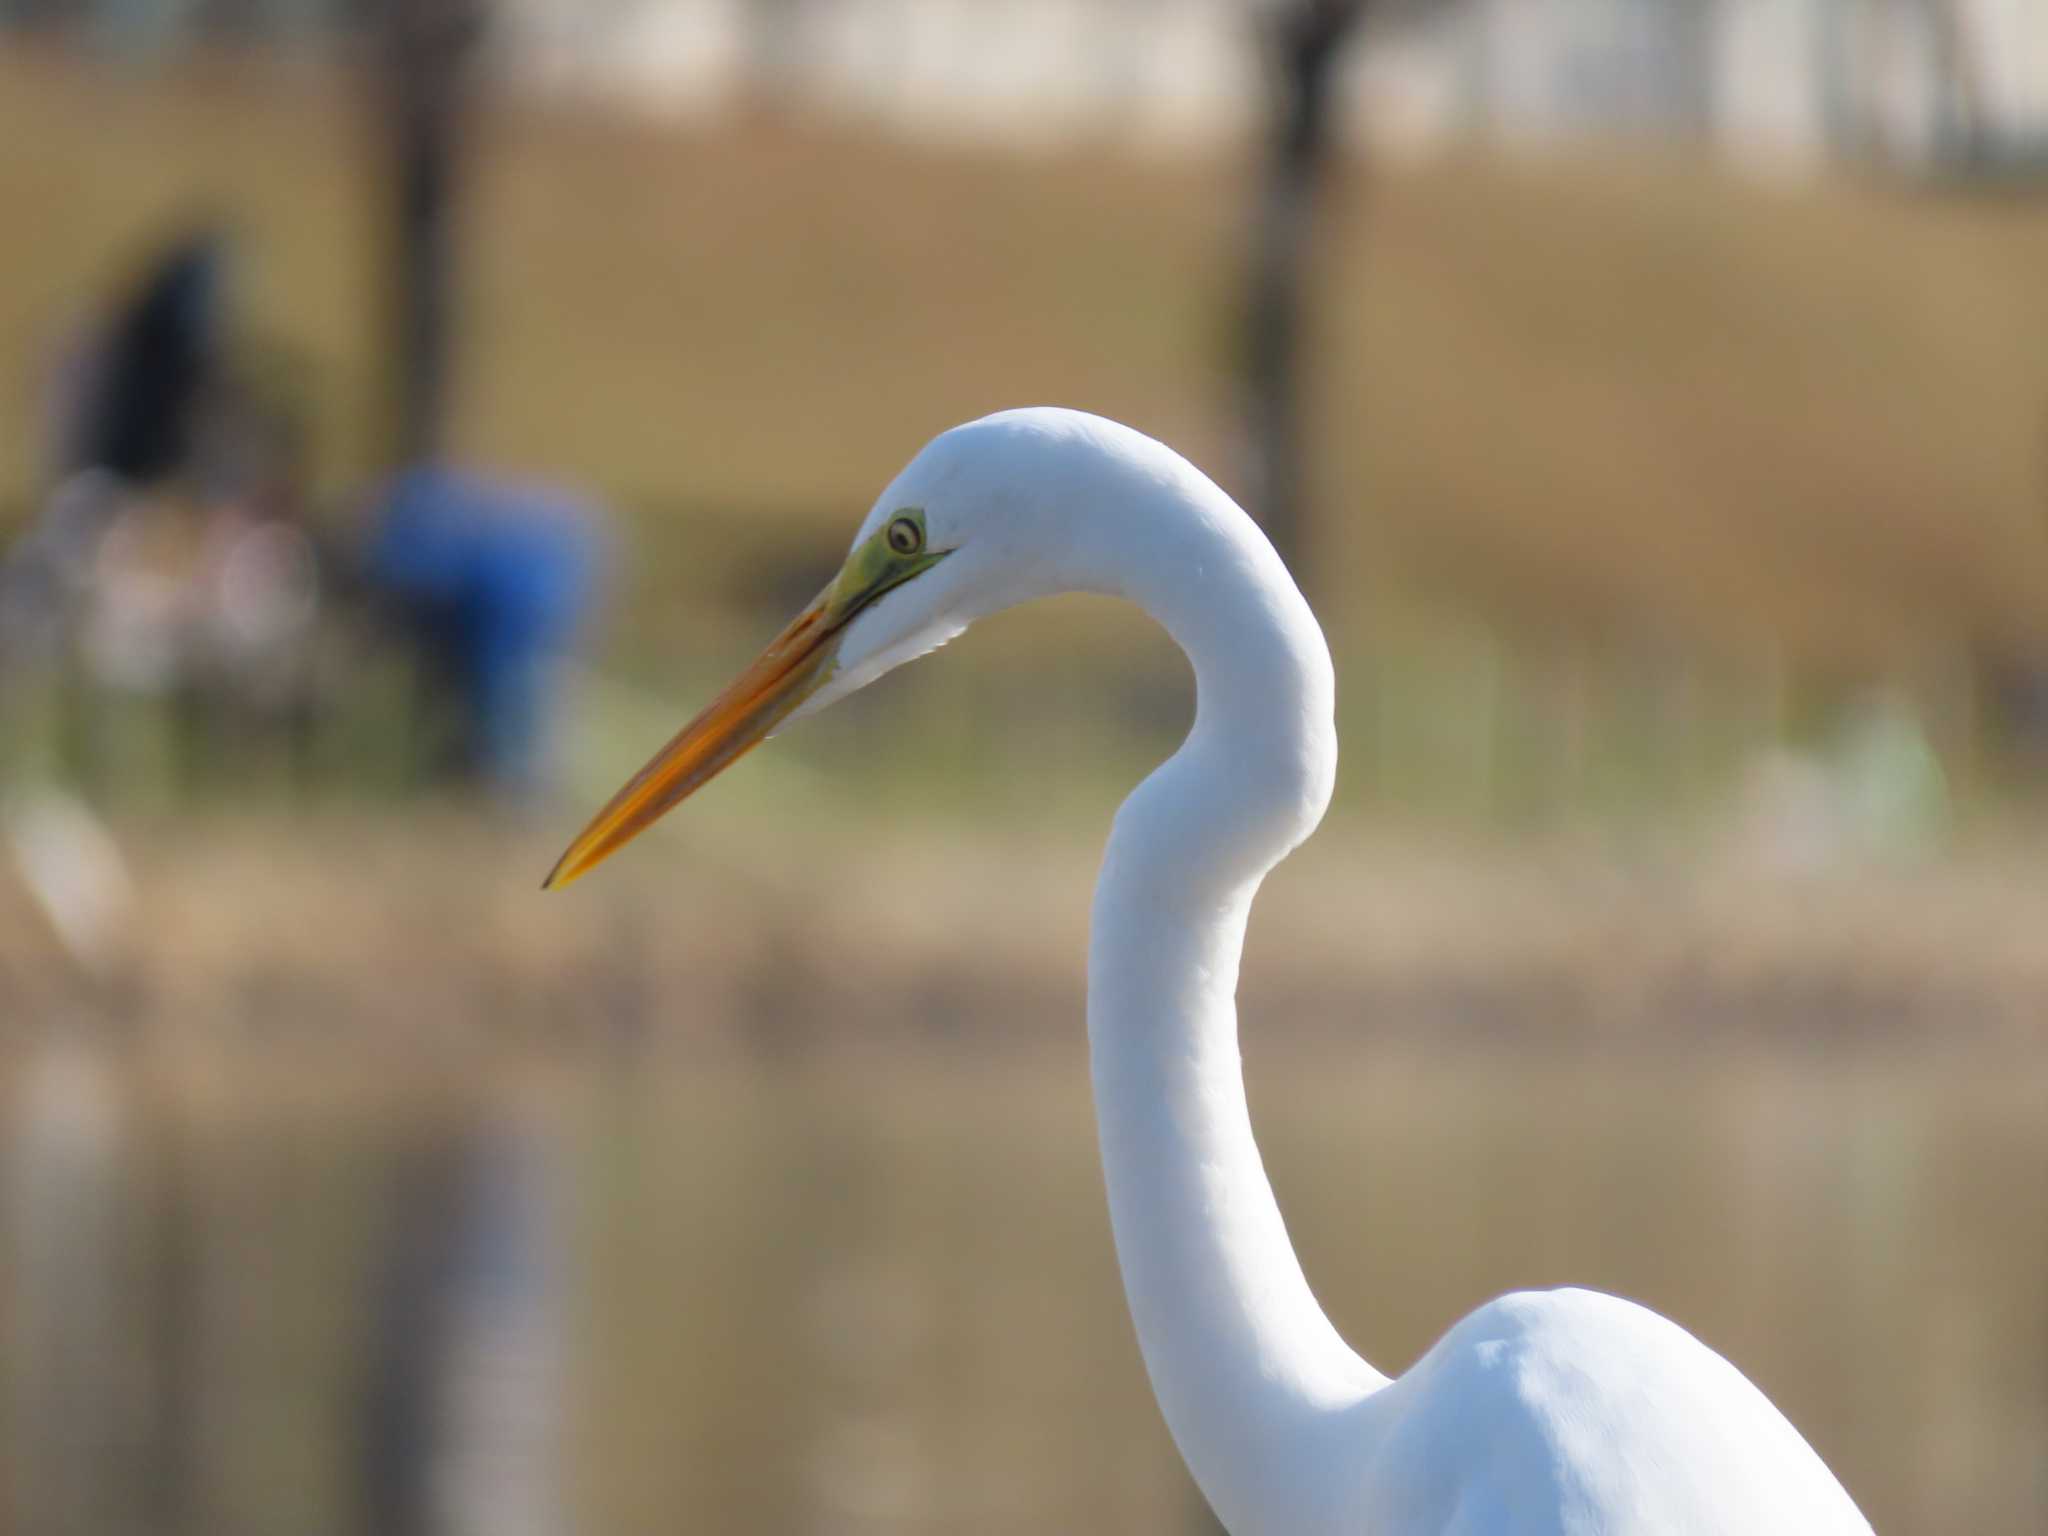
1835, 55
775, 32
424, 60
1685, 33
1961, 123
1303, 40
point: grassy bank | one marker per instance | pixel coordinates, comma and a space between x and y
1601, 401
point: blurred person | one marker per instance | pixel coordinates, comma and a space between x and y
173, 555
123, 402
491, 579
129, 401
257, 574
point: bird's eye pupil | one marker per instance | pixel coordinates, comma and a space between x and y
905, 536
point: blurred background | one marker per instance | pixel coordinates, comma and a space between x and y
410, 409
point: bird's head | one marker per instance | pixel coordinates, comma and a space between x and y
958, 534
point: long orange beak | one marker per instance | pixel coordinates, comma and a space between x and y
796, 664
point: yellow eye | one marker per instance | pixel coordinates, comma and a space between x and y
905, 535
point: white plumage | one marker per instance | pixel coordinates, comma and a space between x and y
1562, 1413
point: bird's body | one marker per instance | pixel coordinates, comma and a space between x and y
1562, 1412
1573, 1413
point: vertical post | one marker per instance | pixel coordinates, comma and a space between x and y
1686, 32
1843, 52
1962, 125
423, 62
774, 45
1303, 40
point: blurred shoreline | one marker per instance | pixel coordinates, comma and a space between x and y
431, 930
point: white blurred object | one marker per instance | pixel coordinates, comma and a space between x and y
137, 605
73, 868
260, 601
1893, 788
1877, 794
1787, 820
266, 589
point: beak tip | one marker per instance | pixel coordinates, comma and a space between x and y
792, 668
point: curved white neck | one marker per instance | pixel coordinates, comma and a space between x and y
1249, 1372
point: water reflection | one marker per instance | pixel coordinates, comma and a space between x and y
78, 1347
810, 1296
464, 1402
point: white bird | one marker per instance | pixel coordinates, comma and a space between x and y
1566, 1413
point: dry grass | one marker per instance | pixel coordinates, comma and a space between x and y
1619, 398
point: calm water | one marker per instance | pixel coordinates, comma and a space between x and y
273, 1295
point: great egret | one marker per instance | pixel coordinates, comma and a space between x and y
1554, 1412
